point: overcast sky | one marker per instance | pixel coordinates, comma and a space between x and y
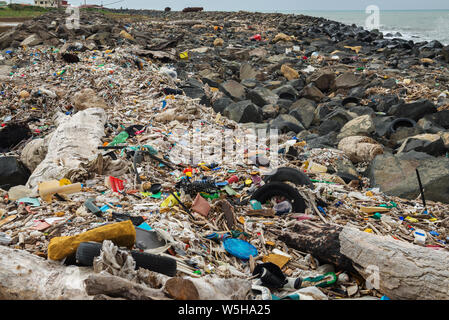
270, 5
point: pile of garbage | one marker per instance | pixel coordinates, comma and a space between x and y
116, 180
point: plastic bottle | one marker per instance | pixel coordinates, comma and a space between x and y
420, 236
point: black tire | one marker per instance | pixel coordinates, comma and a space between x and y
401, 122
289, 174
272, 189
88, 251
152, 262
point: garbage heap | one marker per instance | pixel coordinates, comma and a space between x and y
116, 183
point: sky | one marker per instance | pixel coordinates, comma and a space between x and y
268, 5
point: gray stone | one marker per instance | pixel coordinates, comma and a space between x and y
32, 40
303, 110
221, 104
360, 126
262, 96
243, 112
270, 111
286, 123
286, 92
233, 89
431, 144
313, 93
415, 110
323, 79
396, 176
347, 80
247, 72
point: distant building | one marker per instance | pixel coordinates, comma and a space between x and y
50, 3
3, 4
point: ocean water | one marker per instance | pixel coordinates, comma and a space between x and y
416, 25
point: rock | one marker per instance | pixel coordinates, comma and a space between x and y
218, 42
286, 92
262, 96
440, 119
347, 80
313, 93
323, 79
221, 104
270, 111
87, 98
32, 40
415, 110
362, 125
303, 110
431, 144
389, 83
445, 53
360, 149
233, 89
243, 112
289, 73
396, 176
12, 173
247, 72
445, 137
286, 123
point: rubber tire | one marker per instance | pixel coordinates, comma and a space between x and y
88, 251
291, 175
391, 129
272, 189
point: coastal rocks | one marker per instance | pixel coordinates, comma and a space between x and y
445, 53
396, 176
243, 112
289, 73
31, 41
347, 80
414, 110
362, 125
262, 96
282, 37
360, 148
432, 144
12, 173
87, 98
233, 89
221, 104
286, 123
313, 93
247, 72
323, 80
286, 92
303, 110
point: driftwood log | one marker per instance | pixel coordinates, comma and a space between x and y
397, 269
24, 276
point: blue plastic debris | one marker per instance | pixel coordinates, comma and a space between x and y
240, 248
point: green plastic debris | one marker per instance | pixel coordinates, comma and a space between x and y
376, 216
210, 196
229, 191
256, 205
120, 138
323, 281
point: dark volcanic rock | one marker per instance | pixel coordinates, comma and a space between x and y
415, 110
244, 112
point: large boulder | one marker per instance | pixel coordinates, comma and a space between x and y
360, 148
303, 110
362, 125
32, 40
221, 104
323, 79
432, 144
233, 89
415, 110
347, 80
313, 93
445, 53
248, 72
262, 96
286, 123
243, 112
395, 175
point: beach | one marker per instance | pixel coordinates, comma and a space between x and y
117, 181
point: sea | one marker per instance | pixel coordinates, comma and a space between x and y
416, 25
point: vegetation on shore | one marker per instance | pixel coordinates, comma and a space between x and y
20, 11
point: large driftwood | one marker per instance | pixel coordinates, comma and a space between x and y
24, 276
398, 269
116, 287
